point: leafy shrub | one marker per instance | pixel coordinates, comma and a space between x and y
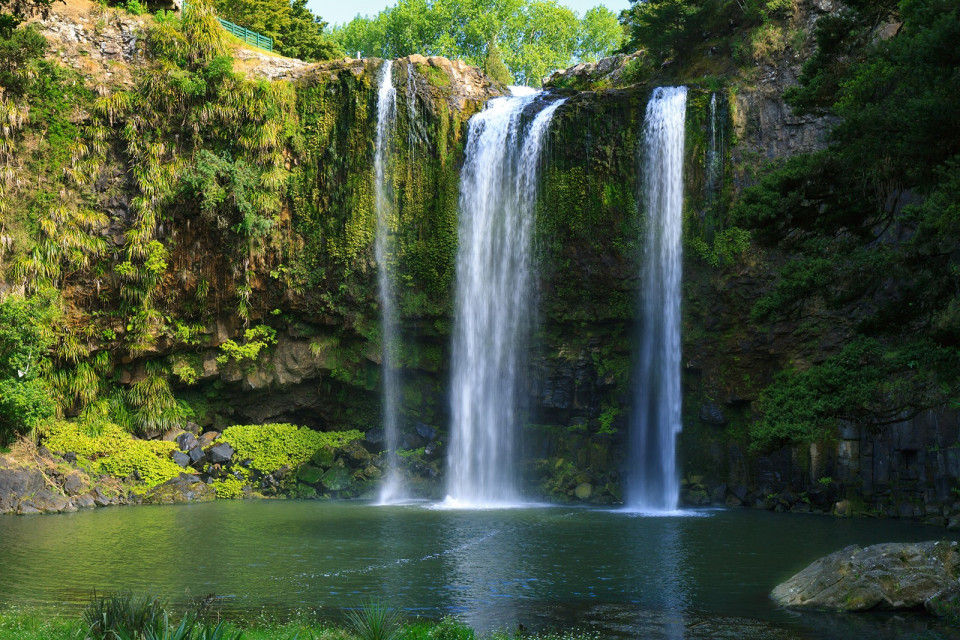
272, 446
255, 340
229, 488
134, 7
105, 448
25, 338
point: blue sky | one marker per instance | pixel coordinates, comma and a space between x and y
339, 11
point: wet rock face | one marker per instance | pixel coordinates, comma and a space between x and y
883, 576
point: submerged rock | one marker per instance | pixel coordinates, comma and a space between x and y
882, 576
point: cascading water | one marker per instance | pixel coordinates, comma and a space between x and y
714, 162
392, 488
653, 484
494, 299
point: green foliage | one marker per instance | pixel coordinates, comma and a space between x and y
728, 246
122, 616
230, 195
600, 34
134, 6
19, 49
295, 30
153, 405
375, 621
229, 488
26, 336
255, 340
106, 449
871, 224
534, 37
128, 617
14, 12
273, 446
666, 28
493, 65
864, 383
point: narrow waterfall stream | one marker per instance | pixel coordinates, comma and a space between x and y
392, 488
653, 484
495, 298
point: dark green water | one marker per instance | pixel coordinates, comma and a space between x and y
704, 576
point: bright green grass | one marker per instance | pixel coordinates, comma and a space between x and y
20, 625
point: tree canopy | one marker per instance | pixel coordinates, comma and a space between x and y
530, 37
295, 30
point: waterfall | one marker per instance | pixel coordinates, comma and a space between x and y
714, 160
495, 297
392, 488
653, 482
411, 113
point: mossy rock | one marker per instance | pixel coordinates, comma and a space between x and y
583, 491
305, 492
356, 451
336, 479
186, 488
324, 457
309, 474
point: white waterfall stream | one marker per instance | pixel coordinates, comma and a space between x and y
653, 483
392, 488
495, 298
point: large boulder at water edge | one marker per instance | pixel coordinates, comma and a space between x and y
882, 576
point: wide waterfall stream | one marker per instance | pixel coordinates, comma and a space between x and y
495, 296
653, 483
626, 576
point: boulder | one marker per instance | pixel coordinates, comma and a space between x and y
336, 479
375, 436
309, 474
181, 459
184, 488
187, 441
15, 484
583, 491
323, 457
171, 435
356, 451
73, 484
197, 456
882, 576
207, 438
220, 453
85, 501
426, 431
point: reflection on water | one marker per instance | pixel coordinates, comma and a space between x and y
626, 575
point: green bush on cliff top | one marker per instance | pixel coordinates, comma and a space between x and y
273, 446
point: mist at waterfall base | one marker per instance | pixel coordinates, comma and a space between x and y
652, 478
392, 488
496, 297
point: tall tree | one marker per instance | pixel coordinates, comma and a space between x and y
532, 37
